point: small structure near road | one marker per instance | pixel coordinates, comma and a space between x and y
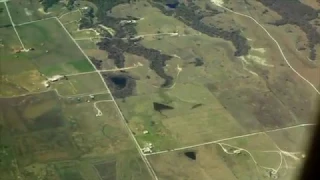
56, 78
53, 79
147, 148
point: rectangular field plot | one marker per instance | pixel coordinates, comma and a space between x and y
214, 162
106, 170
18, 74
4, 18
120, 166
95, 54
32, 113
44, 129
68, 171
202, 125
90, 83
293, 139
261, 148
174, 120
53, 50
23, 11
69, 17
97, 128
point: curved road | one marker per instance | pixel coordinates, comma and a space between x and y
274, 40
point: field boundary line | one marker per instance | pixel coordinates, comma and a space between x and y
143, 157
229, 138
57, 92
274, 40
13, 25
30, 22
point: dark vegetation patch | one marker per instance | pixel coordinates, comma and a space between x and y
161, 107
43, 146
52, 119
86, 20
96, 62
6, 26
197, 62
172, 4
121, 84
106, 5
269, 111
297, 100
116, 48
48, 4
69, 172
255, 110
296, 13
70, 4
107, 170
192, 14
16, 107
191, 155
196, 106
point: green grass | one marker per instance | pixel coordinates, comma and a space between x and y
72, 16
18, 74
80, 84
141, 116
4, 18
55, 52
182, 125
73, 142
291, 140
25, 11
81, 66
68, 171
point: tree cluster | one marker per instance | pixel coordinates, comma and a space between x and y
47, 4
192, 14
87, 20
70, 4
96, 62
116, 47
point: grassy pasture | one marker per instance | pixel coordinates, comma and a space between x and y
47, 130
18, 74
84, 33
54, 52
208, 122
221, 162
141, 116
91, 49
70, 16
153, 20
292, 140
256, 145
80, 84
4, 18
26, 11
210, 163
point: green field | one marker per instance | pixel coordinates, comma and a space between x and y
207, 122
67, 139
26, 11
90, 83
252, 157
222, 116
4, 18
54, 52
18, 74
